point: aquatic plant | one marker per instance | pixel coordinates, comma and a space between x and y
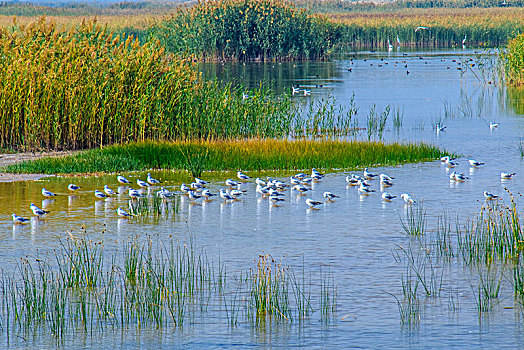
85, 289
129, 92
252, 155
414, 223
247, 30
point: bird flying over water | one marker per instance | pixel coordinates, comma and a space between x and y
422, 28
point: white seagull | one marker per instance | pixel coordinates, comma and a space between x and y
196, 186
506, 176
142, 183
109, 191
18, 219
276, 199
364, 190
121, 212
312, 203
300, 188
225, 196
184, 188
440, 128
207, 194
262, 190
163, 193
369, 175
474, 163
260, 182
193, 195
307, 92
200, 181
388, 196
37, 211
72, 187
135, 193
242, 176
99, 194
489, 196
493, 125
236, 193
294, 90
231, 183
330, 196
352, 180
122, 179
407, 198
47, 193
152, 181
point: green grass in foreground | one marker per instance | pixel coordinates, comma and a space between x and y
198, 156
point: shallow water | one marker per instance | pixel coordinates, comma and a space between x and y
352, 237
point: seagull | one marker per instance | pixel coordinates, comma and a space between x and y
307, 92
18, 219
276, 199
242, 176
294, 90
245, 96
99, 194
300, 175
493, 125
72, 187
369, 175
464, 40
163, 193
390, 47
307, 180
407, 198
352, 180
422, 28
449, 163
193, 195
317, 177
109, 191
300, 188
121, 212
200, 181
232, 183
122, 179
196, 186
446, 159
151, 180
474, 163
489, 196
330, 196
363, 183
458, 177
262, 190
225, 196
184, 188
364, 190
37, 211
386, 180
503, 175
273, 192
142, 183
387, 196
294, 181
398, 41
207, 194
440, 128
236, 193
135, 193
316, 172
312, 203
260, 182
47, 193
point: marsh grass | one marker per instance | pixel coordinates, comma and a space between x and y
520, 144
84, 289
254, 154
414, 223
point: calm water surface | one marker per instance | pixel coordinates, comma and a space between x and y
354, 237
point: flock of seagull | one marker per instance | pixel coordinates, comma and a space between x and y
272, 189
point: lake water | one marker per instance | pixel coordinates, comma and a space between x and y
354, 238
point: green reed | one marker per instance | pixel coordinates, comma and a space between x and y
249, 155
84, 289
247, 30
414, 223
89, 87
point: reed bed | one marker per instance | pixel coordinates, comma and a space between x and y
247, 30
249, 155
83, 289
513, 62
88, 87
447, 27
487, 249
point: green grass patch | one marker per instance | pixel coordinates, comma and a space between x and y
198, 156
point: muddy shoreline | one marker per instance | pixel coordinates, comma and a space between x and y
13, 158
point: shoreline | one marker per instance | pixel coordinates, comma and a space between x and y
14, 158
